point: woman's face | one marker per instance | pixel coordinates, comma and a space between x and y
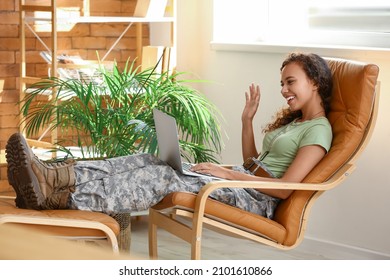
297, 88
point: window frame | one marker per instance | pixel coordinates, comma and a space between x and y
285, 35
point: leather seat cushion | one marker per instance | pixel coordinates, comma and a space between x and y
254, 222
7, 206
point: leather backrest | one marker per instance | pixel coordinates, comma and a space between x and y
351, 109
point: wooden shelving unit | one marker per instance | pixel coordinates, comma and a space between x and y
29, 14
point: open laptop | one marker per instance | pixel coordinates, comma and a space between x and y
168, 143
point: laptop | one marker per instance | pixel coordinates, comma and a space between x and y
168, 143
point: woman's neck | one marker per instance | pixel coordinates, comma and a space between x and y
313, 115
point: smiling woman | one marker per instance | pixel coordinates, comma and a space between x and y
300, 135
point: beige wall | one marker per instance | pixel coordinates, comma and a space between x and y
354, 215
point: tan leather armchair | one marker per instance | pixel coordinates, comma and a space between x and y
352, 116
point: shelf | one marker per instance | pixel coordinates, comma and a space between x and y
104, 19
49, 14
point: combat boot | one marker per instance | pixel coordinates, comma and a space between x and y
38, 184
56, 180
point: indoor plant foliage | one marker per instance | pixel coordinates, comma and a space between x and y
113, 117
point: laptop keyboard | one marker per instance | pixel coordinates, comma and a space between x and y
187, 166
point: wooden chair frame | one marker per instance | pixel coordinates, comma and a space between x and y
30, 218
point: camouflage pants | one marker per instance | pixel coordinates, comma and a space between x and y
137, 182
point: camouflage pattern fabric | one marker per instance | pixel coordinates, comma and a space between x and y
137, 182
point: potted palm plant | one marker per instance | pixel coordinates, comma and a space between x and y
113, 116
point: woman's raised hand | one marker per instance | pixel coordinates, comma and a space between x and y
252, 101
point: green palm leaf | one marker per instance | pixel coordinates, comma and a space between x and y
114, 117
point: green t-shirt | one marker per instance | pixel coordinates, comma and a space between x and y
281, 145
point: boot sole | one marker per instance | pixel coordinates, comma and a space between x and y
20, 174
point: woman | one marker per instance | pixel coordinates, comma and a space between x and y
306, 85
294, 143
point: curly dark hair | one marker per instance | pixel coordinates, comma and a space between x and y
318, 71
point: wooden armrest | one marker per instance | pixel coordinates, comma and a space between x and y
51, 221
204, 193
337, 178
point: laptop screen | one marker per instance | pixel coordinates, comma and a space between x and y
168, 139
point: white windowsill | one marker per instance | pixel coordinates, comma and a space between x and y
325, 50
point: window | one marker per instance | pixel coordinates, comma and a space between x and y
302, 22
